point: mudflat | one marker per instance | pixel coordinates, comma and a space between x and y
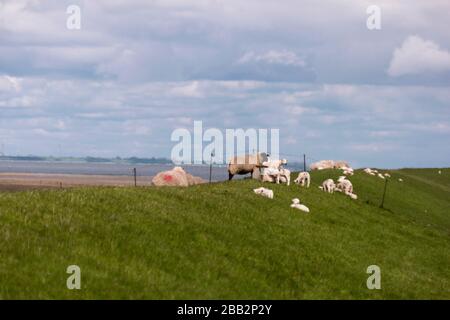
25, 181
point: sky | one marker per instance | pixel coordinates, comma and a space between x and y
137, 70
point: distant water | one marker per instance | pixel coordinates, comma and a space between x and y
219, 173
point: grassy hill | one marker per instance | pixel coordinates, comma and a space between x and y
223, 241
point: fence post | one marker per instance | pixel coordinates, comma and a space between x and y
384, 193
304, 162
210, 167
135, 177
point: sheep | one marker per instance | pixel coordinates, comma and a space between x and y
245, 164
284, 174
275, 163
380, 176
297, 205
347, 171
387, 175
277, 175
344, 185
400, 179
369, 171
440, 172
274, 170
175, 177
303, 178
328, 186
353, 196
264, 192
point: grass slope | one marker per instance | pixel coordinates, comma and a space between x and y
223, 241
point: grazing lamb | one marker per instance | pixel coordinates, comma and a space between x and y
380, 176
303, 179
400, 179
245, 164
297, 205
387, 175
440, 172
264, 192
344, 185
328, 186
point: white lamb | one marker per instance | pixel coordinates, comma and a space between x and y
275, 164
380, 176
328, 186
369, 171
277, 175
353, 196
303, 179
264, 192
344, 185
347, 171
297, 205
387, 175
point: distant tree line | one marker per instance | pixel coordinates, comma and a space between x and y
132, 160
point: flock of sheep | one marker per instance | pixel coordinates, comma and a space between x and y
273, 171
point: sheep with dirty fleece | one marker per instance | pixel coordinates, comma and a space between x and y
245, 164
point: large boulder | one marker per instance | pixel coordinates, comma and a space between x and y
329, 164
176, 177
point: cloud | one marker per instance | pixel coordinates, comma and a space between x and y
8, 83
283, 57
417, 56
190, 90
316, 73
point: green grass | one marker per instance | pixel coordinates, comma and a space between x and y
223, 241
